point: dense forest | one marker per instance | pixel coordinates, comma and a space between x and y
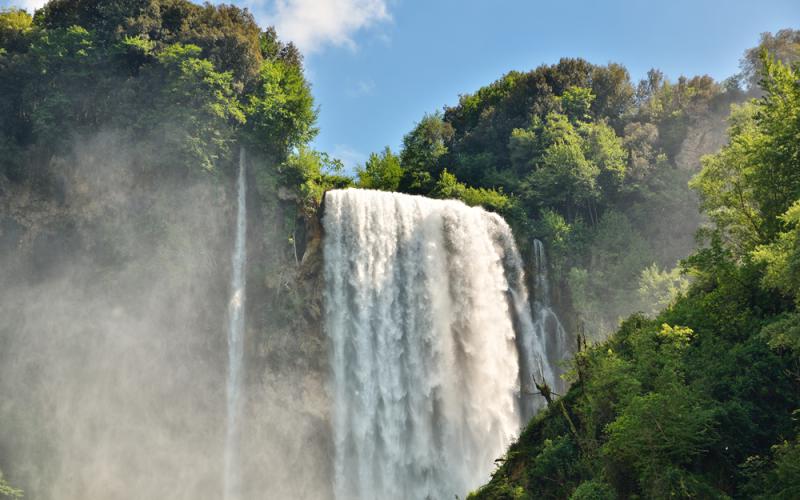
672, 203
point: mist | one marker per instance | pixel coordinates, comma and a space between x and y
113, 359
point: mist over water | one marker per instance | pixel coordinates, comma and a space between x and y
114, 356
426, 309
236, 322
114, 308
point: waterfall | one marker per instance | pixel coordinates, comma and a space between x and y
428, 319
548, 328
236, 322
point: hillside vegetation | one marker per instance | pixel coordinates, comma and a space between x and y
702, 401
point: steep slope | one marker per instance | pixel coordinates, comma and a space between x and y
701, 402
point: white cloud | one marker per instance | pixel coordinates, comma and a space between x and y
310, 24
313, 24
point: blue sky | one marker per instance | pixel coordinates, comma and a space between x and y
377, 66
432, 51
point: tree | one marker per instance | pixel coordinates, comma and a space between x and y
725, 182
448, 187
659, 289
422, 149
593, 490
659, 434
784, 46
191, 79
381, 172
781, 260
577, 104
280, 110
701, 401
15, 24
614, 93
524, 149
604, 148
752, 181
202, 103
563, 178
640, 140
310, 173
781, 257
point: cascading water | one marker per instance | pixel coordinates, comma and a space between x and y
236, 321
428, 317
548, 328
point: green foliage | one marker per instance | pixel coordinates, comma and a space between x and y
784, 332
15, 24
580, 141
228, 36
725, 182
751, 182
189, 80
563, 238
777, 183
313, 173
202, 101
785, 478
593, 490
702, 400
774, 475
381, 172
658, 289
564, 178
641, 141
605, 289
784, 46
605, 149
613, 92
657, 434
577, 103
448, 187
782, 256
610, 380
554, 464
280, 112
523, 148
422, 149
7, 491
